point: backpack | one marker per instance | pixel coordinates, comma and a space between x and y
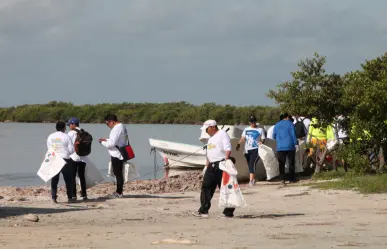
83, 142
300, 128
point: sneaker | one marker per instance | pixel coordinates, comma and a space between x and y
251, 183
55, 201
200, 215
71, 200
74, 198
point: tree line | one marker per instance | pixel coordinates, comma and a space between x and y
140, 113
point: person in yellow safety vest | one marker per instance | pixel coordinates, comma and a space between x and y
330, 133
319, 136
316, 134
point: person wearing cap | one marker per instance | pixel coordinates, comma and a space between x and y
285, 135
218, 149
79, 162
252, 136
61, 143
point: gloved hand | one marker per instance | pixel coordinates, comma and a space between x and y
238, 147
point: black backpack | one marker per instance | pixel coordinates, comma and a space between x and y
300, 128
83, 142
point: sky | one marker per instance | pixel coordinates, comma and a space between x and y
200, 51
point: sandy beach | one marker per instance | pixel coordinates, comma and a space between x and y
156, 214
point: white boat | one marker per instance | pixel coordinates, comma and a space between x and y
181, 155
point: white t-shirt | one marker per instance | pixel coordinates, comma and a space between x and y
73, 136
217, 146
117, 137
252, 137
61, 143
270, 132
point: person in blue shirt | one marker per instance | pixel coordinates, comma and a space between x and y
285, 136
252, 136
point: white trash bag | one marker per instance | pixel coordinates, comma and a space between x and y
297, 161
230, 192
129, 171
331, 144
269, 160
52, 164
92, 175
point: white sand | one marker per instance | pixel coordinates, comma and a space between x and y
290, 217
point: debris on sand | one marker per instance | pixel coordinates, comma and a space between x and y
31, 217
173, 241
191, 181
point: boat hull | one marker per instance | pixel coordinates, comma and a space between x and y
186, 156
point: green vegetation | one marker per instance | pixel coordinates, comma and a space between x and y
365, 184
165, 113
359, 96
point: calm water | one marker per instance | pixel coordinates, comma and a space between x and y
23, 147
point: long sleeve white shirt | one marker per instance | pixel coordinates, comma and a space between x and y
118, 138
61, 143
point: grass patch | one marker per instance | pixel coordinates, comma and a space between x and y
367, 184
330, 175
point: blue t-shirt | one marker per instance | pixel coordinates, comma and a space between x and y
253, 136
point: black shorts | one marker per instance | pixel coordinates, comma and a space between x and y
252, 158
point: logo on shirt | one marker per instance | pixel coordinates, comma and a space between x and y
252, 138
211, 146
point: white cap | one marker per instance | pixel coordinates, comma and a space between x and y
207, 124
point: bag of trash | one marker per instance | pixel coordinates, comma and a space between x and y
92, 175
129, 171
230, 192
51, 165
269, 160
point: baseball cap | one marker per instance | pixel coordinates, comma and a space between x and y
207, 124
253, 119
73, 121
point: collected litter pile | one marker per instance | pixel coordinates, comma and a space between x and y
190, 181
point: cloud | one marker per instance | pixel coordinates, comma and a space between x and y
226, 51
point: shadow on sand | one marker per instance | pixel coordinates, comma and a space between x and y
143, 196
268, 216
18, 211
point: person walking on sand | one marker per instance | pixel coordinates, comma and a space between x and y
218, 149
118, 137
61, 143
252, 136
285, 135
79, 162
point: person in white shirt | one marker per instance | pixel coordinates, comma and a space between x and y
61, 143
79, 162
252, 136
218, 149
118, 138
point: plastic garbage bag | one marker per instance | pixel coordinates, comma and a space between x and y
92, 175
230, 193
129, 171
269, 160
51, 165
